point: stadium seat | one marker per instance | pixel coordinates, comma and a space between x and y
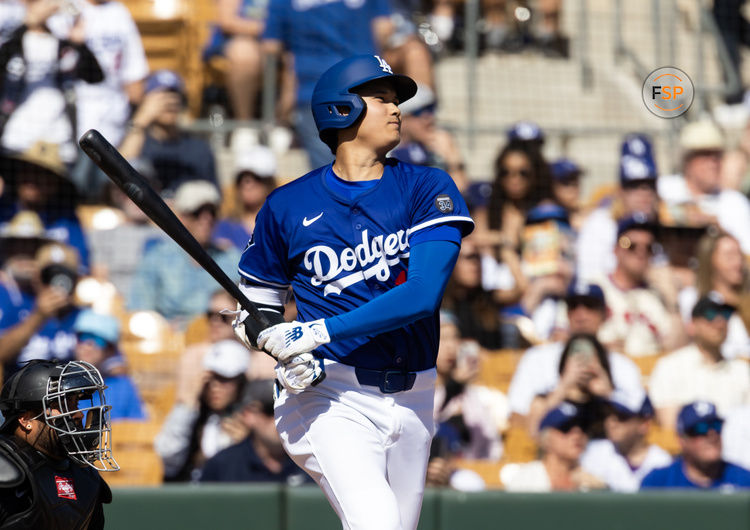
496, 368
489, 470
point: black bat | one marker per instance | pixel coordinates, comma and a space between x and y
135, 186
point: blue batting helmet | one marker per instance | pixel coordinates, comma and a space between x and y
334, 89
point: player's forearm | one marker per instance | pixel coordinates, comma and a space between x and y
430, 266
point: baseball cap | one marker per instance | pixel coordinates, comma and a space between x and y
635, 221
103, 326
547, 212
193, 194
562, 417
694, 413
631, 403
165, 80
227, 358
57, 254
638, 145
711, 304
258, 160
26, 224
703, 135
41, 154
579, 289
636, 168
564, 168
259, 391
526, 131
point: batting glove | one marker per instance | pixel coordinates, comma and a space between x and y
284, 341
300, 372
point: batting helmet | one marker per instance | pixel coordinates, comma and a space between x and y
333, 91
76, 391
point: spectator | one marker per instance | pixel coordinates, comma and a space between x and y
204, 424
116, 252
154, 135
475, 309
167, 279
236, 36
625, 456
37, 313
424, 143
111, 34
585, 381
700, 465
97, 337
255, 178
636, 195
12, 13
38, 72
526, 133
538, 371
38, 180
562, 440
521, 181
722, 268
639, 323
318, 35
699, 371
443, 470
735, 436
734, 30
547, 261
405, 50
696, 198
473, 414
566, 189
259, 457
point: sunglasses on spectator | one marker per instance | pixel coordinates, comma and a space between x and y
95, 339
206, 208
702, 428
631, 246
569, 426
428, 109
588, 303
525, 173
711, 313
227, 319
639, 185
567, 181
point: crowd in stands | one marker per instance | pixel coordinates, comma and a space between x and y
626, 323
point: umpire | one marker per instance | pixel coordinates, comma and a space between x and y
54, 436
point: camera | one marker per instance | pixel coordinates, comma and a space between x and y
60, 277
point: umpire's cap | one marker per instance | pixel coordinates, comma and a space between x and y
334, 90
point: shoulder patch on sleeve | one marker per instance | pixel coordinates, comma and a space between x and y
444, 204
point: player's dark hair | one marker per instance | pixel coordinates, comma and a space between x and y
540, 182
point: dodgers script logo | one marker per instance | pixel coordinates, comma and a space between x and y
377, 255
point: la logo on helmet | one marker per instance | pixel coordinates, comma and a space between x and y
384, 65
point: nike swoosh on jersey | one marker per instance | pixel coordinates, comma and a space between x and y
308, 222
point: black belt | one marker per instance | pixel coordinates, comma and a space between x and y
388, 381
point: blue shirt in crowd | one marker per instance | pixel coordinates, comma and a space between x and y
180, 159
122, 395
673, 476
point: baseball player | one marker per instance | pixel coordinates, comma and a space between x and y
368, 244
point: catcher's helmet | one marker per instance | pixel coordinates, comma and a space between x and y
334, 90
76, 391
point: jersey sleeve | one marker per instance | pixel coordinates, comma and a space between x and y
264, 260
436, 201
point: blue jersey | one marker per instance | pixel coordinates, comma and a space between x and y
320, 33
673, 476
338, 253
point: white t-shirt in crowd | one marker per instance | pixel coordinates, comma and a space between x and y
596, 245
731, 208
735, 437
637, 317
537, 374
738, 339
40, 114
11, 17
685, 376
112, 36
604, 462
530, 477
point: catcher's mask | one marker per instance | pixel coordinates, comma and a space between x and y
76, 391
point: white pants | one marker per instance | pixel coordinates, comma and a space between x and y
367, 450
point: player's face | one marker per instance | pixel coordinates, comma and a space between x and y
728, 262
380, 128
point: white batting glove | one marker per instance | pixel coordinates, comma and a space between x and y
300, 372
284, 341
